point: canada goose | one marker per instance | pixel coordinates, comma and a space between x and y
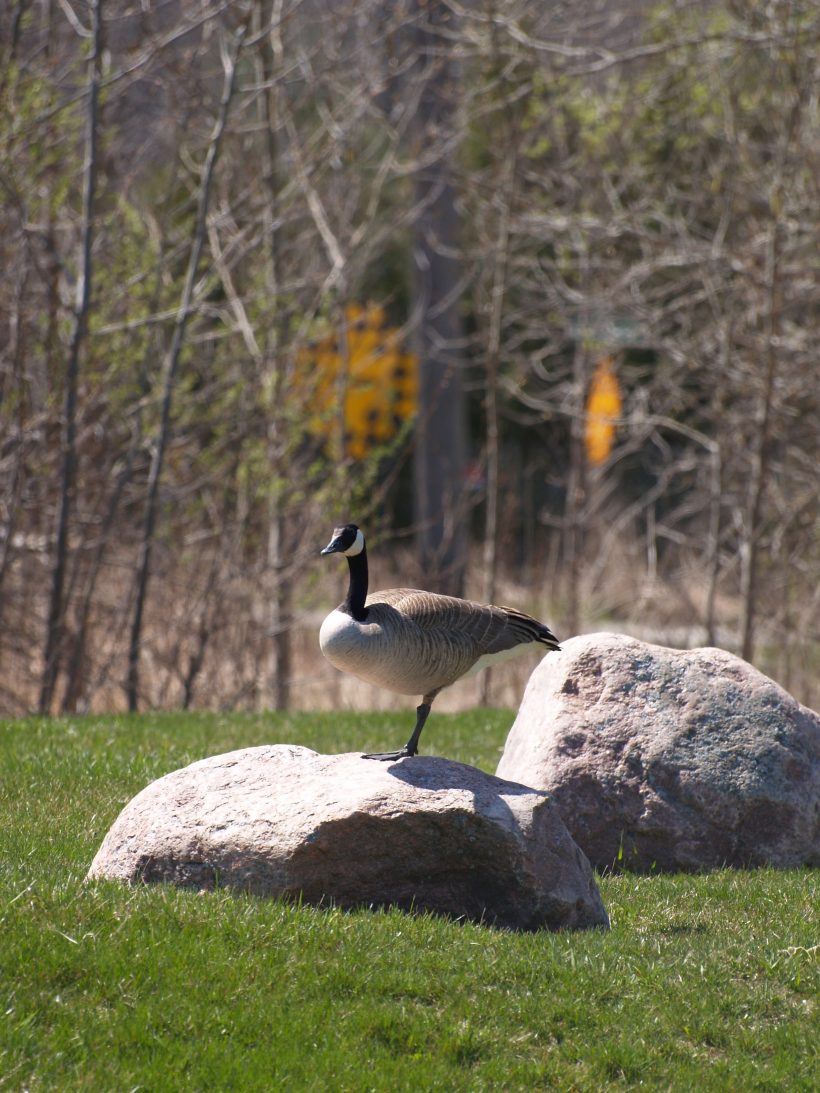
414, 642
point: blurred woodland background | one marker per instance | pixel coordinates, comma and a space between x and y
527, 289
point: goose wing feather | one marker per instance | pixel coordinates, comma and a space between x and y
478, 629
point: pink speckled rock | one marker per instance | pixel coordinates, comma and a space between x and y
669, 759
425, 833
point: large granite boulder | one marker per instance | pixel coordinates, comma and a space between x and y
669, 759
424, 833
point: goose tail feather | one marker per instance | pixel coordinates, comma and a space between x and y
527, 629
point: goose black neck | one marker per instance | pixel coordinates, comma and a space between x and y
357, 588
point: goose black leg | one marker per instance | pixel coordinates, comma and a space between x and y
412, 746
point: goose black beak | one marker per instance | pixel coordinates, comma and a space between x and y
333, 547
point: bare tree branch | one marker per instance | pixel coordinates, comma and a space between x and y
169, 373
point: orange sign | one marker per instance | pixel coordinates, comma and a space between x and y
602, 411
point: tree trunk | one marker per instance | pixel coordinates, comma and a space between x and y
440, 430
11, 502
56, 611
281, 606
498, 291
760, 463
576, 494
716, 475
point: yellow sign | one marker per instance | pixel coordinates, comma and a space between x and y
603, 411
363, 369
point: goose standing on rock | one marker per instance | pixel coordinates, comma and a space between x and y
414, 642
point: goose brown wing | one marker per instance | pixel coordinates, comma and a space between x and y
482, 628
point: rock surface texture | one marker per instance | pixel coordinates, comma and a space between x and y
669, 759
424, 833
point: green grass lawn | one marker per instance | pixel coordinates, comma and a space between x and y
703, 983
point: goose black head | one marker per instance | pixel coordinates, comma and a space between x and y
347, 540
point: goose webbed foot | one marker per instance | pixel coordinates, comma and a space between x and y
391, 756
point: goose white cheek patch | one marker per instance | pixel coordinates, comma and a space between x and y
356, 547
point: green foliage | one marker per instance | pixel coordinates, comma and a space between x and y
706, 983
38, 150
125, 344
40, 193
